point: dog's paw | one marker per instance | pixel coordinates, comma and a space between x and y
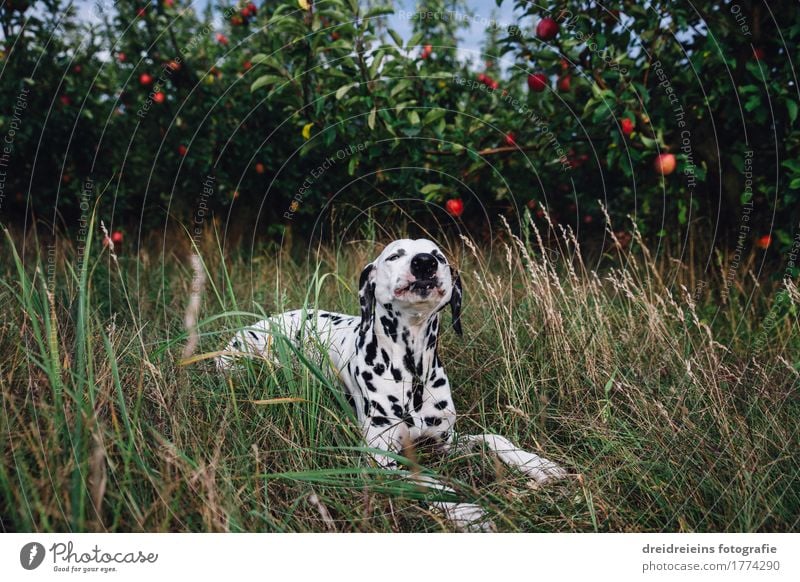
543, 471
468, 517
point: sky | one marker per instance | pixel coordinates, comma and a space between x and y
471, 38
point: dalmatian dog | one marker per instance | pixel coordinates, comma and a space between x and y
388, 362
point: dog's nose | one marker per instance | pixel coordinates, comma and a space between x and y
423, 265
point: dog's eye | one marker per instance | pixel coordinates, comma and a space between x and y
393, 257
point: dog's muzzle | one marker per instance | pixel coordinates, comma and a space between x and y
421, 288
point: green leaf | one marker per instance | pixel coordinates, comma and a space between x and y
265, 80
795, 184
433, 115
414, 40
398, 40
647, 142
379, 11
400, 86
371, 119
429, 188
413, 117
342, 91
791, 106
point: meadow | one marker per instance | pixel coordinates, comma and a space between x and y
674, 403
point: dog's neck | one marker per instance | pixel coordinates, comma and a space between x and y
410, 335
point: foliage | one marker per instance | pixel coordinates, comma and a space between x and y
289, 113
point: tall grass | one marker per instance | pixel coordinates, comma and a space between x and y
677, 413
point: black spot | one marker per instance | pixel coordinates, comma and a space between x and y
253, 335
441, 405
336, 320
385, 356
408, 361
236, 344
372, 351
366, 407
389, 327
409, 420
398, 411
357, 372
310, 315
433, 420
369, 386
379, 421
392, 398
324, 315
379, 408
379, 369
431, 341
350, 400
396, 374
366, 375
440, 382
416, 388
439, 256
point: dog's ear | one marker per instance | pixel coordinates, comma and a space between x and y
455, 301
366, 296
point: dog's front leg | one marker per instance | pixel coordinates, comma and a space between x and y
393, 438
537, 468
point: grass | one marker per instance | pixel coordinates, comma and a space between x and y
678, 408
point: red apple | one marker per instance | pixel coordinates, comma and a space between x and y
537, 82
159, 97
182, 150
252, 8
493, 85
664, 164
482, 78
455, 206
259, 168
627, 126
564, 83
564, 64
174, 66
236, 20
764, 241
145, 79
221, 38
77, 69
247, 65
547, 29
758, 53
509, 138
65, 100
141, 12
169, 3
116, 237
121, 57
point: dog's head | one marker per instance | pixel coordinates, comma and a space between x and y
414, 277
